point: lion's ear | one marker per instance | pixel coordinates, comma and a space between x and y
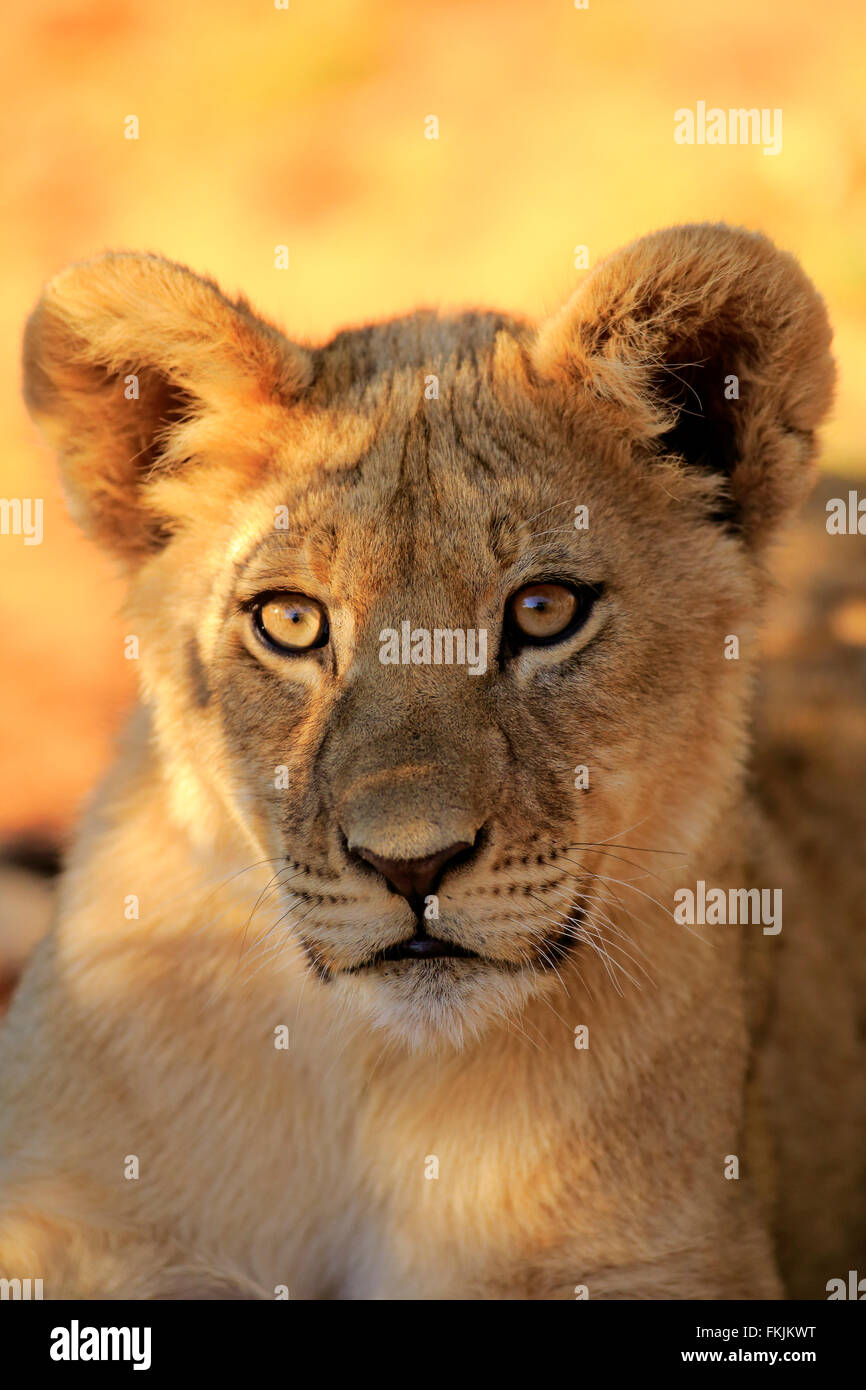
122, 355
706, 343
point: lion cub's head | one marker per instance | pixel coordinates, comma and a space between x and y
433, 614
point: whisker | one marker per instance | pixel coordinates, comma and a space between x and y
638, 849
645, 873
554, 531
608, 921
573, 503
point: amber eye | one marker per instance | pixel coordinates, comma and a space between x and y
292, 622
541, 613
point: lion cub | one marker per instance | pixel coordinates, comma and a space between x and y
431, 937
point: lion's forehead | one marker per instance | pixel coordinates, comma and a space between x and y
424, 526
412, 500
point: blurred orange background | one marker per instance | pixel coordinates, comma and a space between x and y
306, 126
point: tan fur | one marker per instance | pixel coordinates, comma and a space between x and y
154, 1037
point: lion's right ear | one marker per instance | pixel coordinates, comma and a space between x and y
123, 357
710, 346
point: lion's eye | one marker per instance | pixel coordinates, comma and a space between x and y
292, 622
540, 613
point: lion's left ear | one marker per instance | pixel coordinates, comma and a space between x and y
707, 343
123, 357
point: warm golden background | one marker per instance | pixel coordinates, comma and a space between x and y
260, 126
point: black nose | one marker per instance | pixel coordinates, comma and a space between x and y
414, 878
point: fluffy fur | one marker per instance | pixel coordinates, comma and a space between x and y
154, 1035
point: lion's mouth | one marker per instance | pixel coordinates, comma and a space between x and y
424, 947
419, 947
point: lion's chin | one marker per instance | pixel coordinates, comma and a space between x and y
438, 1004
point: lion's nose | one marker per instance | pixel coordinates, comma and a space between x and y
415, 878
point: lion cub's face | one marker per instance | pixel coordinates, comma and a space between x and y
439, 820
438, 613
